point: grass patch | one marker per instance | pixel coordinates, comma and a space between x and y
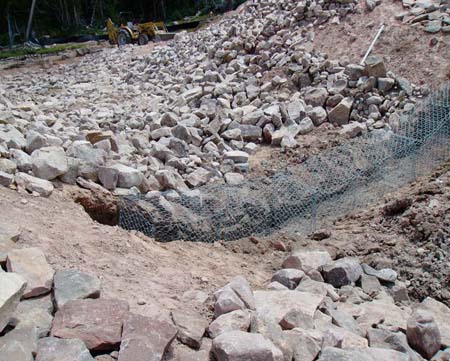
19, 52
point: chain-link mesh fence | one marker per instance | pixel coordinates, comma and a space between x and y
322, 189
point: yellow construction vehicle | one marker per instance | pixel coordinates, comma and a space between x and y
131, 32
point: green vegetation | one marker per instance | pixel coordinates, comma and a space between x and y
23, 51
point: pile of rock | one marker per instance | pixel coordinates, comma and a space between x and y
193, 111
319, 309
433, 15
53, 316
314, 308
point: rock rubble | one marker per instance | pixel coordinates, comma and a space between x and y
194, 110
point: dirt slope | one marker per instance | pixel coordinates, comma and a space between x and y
407, 50
131, 267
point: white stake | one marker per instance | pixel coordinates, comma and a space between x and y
372, 44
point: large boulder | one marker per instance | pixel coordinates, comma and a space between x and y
98, 322
32, 265
240, 346
11, 290
145, 338
49, 162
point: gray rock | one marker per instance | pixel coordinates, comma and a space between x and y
237, 156
19, 344
342, 272
57, 349
22, 159
375, 66
433, 26
318, 115
35, 313
108, 177
32, 265
305, 126
391, 340
6, 179
198, 177
239, 346
171, 180
71, 284
227, 301
49, 162
191, 328
288, 277
233, 178
366, 354
84, 150
13, 287
353, 129
238, 320
399, 292
295, 318
316, 97
272, 306
354, 71
128, 177
306, 260
35, 141
33, 184
441, 315
386, 274
370, 285
306, 344
341, 112
423, 334
12, 137
385, 84
7, 166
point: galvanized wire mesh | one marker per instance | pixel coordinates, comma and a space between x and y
322, 189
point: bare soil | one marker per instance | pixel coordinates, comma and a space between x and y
131, 266
407, 50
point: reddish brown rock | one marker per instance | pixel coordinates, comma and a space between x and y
145, 338
98, 322
423, 333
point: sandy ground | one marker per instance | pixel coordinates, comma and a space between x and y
131, 266
407, 50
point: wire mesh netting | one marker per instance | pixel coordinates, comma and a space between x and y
320, 190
